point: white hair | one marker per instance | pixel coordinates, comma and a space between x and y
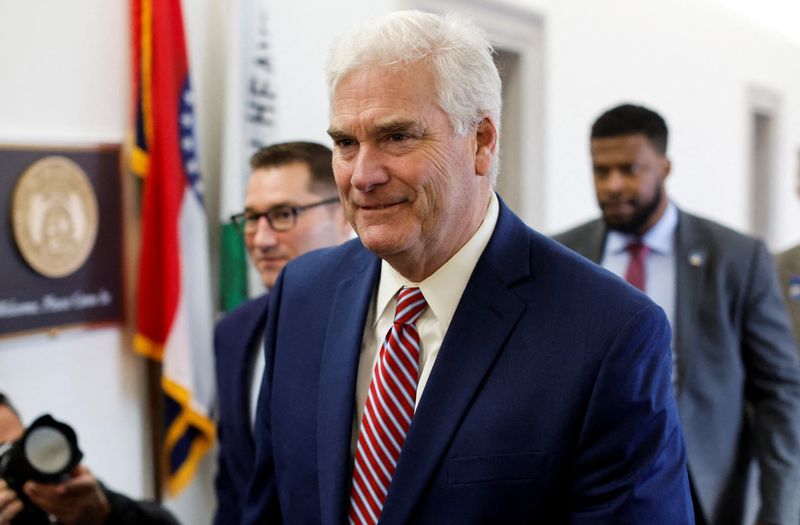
457, 51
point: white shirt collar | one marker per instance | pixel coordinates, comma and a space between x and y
442, 289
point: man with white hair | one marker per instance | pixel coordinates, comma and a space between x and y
452, 365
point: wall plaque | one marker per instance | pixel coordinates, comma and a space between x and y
61, 241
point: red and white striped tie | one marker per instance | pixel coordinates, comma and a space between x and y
388, 411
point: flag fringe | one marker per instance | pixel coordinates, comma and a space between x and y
187, 418
147, 347
138, 158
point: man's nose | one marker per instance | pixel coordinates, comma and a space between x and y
264, 236
614, 182
369, 170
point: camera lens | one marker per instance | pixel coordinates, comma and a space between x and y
48, 450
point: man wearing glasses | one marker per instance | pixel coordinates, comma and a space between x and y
291, 207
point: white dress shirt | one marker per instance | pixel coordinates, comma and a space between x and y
442, 290
259, 362
660, 264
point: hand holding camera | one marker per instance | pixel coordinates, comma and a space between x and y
10, 505
42, 477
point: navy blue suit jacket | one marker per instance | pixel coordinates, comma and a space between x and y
550, 400
236, 340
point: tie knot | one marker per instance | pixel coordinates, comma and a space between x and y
638, 249
410, 304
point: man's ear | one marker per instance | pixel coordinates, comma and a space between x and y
485, 145
667, 167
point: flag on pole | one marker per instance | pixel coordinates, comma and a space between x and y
249, 125
174, 319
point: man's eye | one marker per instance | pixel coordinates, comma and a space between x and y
251, 217
281, 214
397, 137
344, 143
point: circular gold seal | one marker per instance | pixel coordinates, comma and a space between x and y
54, 213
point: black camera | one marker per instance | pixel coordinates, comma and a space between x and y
47, 452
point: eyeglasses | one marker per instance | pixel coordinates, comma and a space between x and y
280, 218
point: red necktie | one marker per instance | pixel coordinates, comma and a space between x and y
388, 411
636, 264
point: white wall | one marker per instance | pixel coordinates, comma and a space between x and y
89, 379
693, 62
63, 70
64, 78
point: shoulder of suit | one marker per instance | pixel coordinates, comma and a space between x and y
715, 235
345, 257
562, 272
252, 308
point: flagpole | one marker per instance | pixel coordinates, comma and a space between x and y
155, 403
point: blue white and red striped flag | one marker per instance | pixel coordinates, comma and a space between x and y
174, 319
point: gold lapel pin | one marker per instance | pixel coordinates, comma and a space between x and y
696, 258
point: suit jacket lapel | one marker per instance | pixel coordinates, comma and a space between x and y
338, 374
466, 354
691, 259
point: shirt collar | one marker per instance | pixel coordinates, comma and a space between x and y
442, 289
660, 238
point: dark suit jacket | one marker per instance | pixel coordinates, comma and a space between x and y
739, 390
236, 341
789, 272
549, 401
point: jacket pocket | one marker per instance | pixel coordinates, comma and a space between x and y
501, 467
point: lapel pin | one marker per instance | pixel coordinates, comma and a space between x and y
696, 258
